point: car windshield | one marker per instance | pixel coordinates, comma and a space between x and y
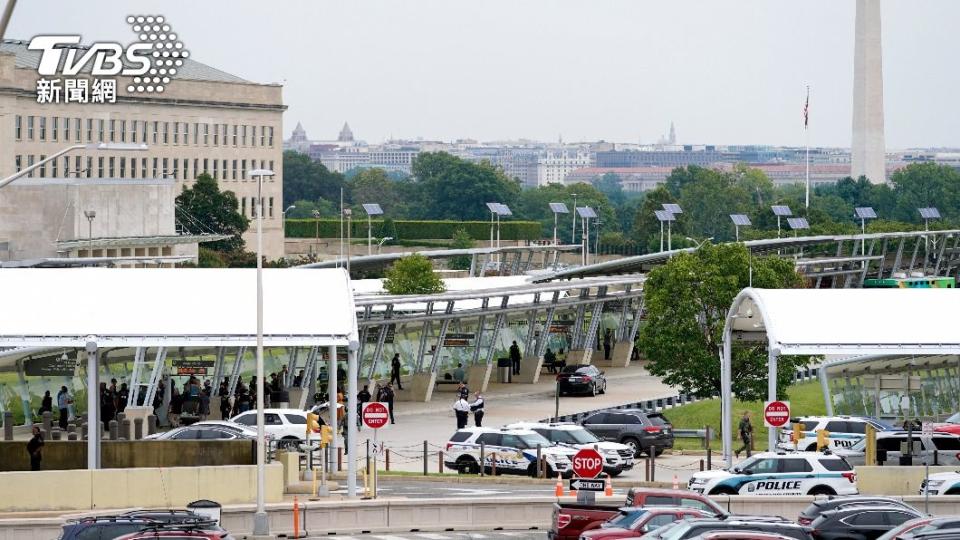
745, 464
578, 436
625, 518
955, 419
881, 423
531, 440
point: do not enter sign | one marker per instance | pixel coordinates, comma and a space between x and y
375, 415
776, 414
587, 463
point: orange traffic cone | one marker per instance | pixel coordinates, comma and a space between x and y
558, 488
676, 482
608, 487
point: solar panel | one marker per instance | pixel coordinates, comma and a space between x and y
504, 210
672, 208
865, 212
781, 210
797, 223
663, 215
929, 213
586, 212
740, 219
559, 208
372, 209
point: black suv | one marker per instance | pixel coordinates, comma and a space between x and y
694, 527
635, 428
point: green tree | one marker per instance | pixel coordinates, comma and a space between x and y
707, 198
388, 229
461, 240
646, 226
412, 275
452, 188
374, 186
304, 209
926, 184
686, 306
306, 179
202, 208
609, 184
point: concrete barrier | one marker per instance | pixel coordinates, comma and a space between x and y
894, 480
59, 455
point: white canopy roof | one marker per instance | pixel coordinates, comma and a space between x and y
169, 307
844, 321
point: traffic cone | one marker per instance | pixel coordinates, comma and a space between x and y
558, 488
676, 482
608, 487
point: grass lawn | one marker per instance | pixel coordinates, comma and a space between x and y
806, 399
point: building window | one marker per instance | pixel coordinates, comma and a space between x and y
244, 137
100, 131
263, 131
55, 129
196, 167
206, 134
186, 167
43, 168
143, 165
30, 164
234, 169
30, 128
66, 166
253, 135
176, 133
53, 169
166, 171
235, 134
270, 208
223, 168
253, 207
166, 132
123, 131
271, 136
196, 133
143, 132
89, 130
215, 163
243, 170
123, 167
18, 127
134, 127
133, 167
155, 163
89, 167
243, 206
272, 169
112, 164
76, 129
113, 130
186, 133
206, 165
43, 128
76, 166
176, 167
18, 162
223, 131
156, 130
100, 167
66, 129
216, 134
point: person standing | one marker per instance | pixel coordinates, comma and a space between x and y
35, 449
477, 408
458, 374
363, 396
395, 371
106, 405
462, 409
463, 390
746, 434
388, 396
515, 357
46, 404
550, 360
123, 398
607, 343
63, 404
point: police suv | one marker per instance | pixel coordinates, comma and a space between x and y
844, 431
513, 450
780, 473
616, 457
945, 483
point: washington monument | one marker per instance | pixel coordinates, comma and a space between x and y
868, 150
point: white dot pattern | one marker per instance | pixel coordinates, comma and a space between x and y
153, 31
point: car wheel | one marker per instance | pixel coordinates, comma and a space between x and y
466, 465
593, 390
821, 490
634, 445
603, 390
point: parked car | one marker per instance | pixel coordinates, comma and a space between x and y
281, 424
827, 504
945, 483
950, 425
570, 520
581, 379
103, 527
845, 431
140, 524
194, 529
515, 452
889, 444
692, 528
635, 522
780, 473
741, 535
636, 428
616, 457
917, 528
860, 522
207, 430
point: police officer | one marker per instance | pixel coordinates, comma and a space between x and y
462, 409
746, 433
477, 408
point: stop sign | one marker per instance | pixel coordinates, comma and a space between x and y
776, 413
587, 463
375, 415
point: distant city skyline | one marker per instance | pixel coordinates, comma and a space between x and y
727, 73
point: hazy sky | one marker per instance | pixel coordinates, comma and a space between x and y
725, 71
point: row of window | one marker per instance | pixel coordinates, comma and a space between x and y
56, 129
110, 166
253, 206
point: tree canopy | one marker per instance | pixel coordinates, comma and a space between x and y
412, 275
308, 180
203, 208
451, 188
686, 306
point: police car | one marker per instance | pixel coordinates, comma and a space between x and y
513, 450
780, 473
945, 483
616, 457
845, 431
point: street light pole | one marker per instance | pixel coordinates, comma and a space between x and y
90, 215
121, 147
261, 523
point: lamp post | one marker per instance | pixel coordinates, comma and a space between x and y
348, 213
90, 215
103, 147
316, 236
261, 524
573, 227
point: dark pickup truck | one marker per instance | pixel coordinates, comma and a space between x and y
569, 520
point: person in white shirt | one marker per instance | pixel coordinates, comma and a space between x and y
462, 409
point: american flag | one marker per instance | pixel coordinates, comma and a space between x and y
806, 110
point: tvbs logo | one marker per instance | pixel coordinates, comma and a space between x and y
152, 61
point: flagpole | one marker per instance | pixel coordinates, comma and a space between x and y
806, 132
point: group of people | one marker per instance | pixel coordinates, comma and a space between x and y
462, 407
383, 394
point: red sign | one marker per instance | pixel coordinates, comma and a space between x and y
776, 413
375, 415
587, 463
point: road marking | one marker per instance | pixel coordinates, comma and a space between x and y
432, 536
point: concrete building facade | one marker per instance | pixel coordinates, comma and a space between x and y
554, 165
205, 120
868, 147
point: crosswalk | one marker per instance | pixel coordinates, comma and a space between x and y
485, 535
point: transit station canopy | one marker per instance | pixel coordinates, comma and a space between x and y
848, 321
170, 307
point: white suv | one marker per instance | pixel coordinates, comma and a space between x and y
281, 424
845, 431
616, 457
769, 473
945, 483
515, 451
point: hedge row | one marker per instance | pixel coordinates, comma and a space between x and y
416, 230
